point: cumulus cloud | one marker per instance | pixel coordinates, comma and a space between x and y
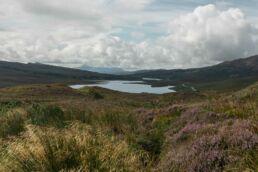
73, 33
209, 35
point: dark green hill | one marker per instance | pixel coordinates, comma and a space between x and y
240, 73
231, 75
35, 73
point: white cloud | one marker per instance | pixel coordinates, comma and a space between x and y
208, 35
73, 33
132, 4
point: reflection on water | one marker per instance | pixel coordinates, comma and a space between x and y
129, 87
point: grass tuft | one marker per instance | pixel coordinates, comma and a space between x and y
79, 148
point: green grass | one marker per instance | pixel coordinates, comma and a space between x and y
12, 123
46, 115
55, 128
8, 105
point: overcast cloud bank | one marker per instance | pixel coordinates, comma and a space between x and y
73, 33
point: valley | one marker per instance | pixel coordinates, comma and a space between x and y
231, 75
208, 124
128, 86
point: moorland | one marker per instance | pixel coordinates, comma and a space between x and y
48, 126
52, 127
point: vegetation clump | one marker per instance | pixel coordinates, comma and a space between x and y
12, 123
78, 148
45, 114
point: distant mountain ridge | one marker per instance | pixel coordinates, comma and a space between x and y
106, 70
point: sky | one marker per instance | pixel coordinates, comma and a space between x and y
131, 34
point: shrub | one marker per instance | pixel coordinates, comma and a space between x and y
84, 116
118, 122
153, 140
152, 143
235, 109
214, 151
95, 94
163, 122
12, 123
8, 105
46, 115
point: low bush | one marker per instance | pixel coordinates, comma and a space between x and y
46, 115
84, 116
152, 141
8, 105
92, 92
118, 122
12, 123
230, 143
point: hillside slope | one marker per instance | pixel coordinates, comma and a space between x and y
226, 70
34, 73
106, 70
241, 72
232, 75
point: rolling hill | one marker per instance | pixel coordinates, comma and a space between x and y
230, 75
241, 72
12, 73
107, 70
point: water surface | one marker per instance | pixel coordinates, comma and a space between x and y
129, 87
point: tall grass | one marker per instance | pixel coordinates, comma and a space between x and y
235, 109
46, 115
118, 122
83, 115
8, 105
12, 123
79, 148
